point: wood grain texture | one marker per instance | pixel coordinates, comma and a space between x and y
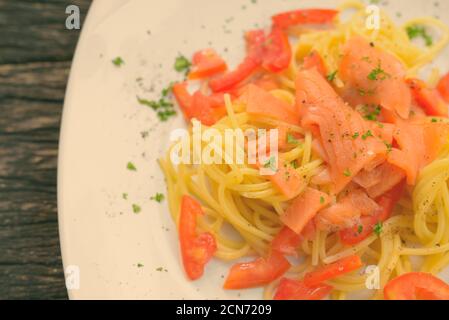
35, 57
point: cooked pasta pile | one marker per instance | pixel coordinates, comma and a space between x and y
242, 209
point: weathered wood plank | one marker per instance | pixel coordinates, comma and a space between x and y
35, 55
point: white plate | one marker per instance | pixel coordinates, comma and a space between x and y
101, 132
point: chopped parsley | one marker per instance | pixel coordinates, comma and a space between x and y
118, 61
331, 77
434, 120
419, 31
360, 229
378, 74
125, 196
164, 108
322, 200
367, 134
271, 164
182, 64
291, 139
355, 135
140, 265
389, 146
136, 208
347, 173
294, 164
378, 228
130, 166
159, 197
371, 112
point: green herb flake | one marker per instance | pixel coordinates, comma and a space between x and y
371, 112
378, 74
367, 134
389, 146
140, 265
130, 166
360, 229
417, 31
271, 163
378, 228
347, 173
136, 209
331, 77
434, 120
159, 197
125, 196
118, 61
322, 200
182, 64
291, 139
160, 269
355, 135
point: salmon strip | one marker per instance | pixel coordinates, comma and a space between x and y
346, 212
348, 140
374, 77
303, 209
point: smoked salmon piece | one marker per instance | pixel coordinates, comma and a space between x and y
303, 209
346, 212
373, 76
348, 140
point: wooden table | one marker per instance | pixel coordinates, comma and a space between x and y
36, 51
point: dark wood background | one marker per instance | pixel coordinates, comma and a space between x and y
35, 57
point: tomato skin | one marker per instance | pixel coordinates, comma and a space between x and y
443, 88
416, 286
304, 17
207, 109
196, 250
277, 52
332, 270
296, 290
386, 202
286, 242
428, 99
256, 273
314, 60
206, 63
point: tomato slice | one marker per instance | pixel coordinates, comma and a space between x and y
286, 242
314, 60
207, 109
332, 270
416, 286
364, 229
443, 88
297, 290
277, 51
428, 99
196, 250
258, 272
306, 16
206, 63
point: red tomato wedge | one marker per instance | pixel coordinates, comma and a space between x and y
207, 109
258, 272
428, 99
332, 270
304, 208
314, 60
364, 229
416, 286
206, 63
296, 290
303, 17
277, 52
196, 250
286, 242
443, 88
